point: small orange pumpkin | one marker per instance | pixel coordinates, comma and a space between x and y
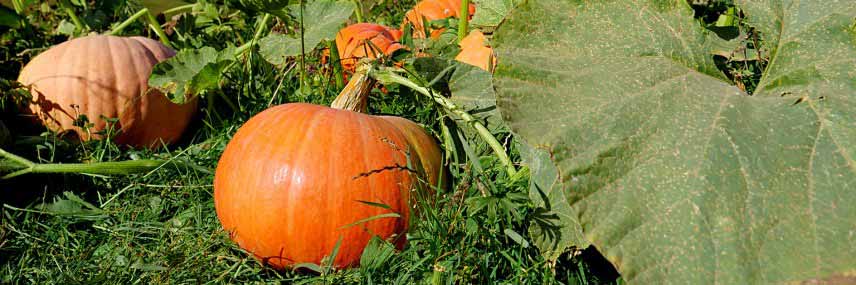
295, 179
105, 76
432, 10
474, 51
366, 40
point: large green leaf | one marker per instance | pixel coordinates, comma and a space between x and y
489, 13
554, 229
470, 86
158, 6
321, 21
191, 72
472, 90
673, 173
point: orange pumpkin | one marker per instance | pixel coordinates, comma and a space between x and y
295, 179
105, 76
366, 40
474, 51
432, 10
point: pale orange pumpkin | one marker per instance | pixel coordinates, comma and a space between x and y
105, 76
432, 10
475, 51
366, 40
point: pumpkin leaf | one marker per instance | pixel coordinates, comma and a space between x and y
191, 72
676, 175
490, 13
471, 87
553, 229
158, 6
321, 21
472, 90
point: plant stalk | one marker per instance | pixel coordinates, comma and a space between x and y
178, 9
336, 63
354, 97
151, 21
101, 168
66, 6
359, 11
464, 21
258, 35
303, 83
389, 76
118, 29
19, 6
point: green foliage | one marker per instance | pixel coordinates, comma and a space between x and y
160, 226
490, 13
322, 20
191, 72
158, 6
675, 174
269, 6
9, 18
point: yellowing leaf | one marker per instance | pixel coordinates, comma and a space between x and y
475, 51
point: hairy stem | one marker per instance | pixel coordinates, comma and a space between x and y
336, 63
464, 20
151, 21
303, 84
359, 11
178, 9
66, 6
154, 25
118, 29
26, 166
389, 76
258, 35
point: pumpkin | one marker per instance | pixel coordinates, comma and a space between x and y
298, 178
105, 76
366, 40
474, 51
432, 10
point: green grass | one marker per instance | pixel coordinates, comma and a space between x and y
161, 227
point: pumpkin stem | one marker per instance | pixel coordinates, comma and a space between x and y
18, 166
388, 75
354, 97
464, 19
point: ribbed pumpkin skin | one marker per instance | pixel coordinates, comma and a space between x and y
432, 10
105, 75
289, 183
425, 147
352, 42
